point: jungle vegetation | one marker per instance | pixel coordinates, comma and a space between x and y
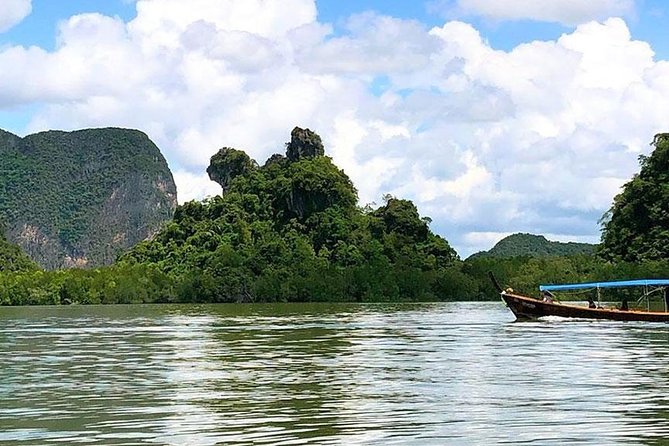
636, 228
81, 198
291, 230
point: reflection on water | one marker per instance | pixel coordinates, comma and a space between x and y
327, 374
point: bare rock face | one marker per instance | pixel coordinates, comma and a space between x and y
79, 199
304, 144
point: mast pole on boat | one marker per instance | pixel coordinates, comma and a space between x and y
599, 298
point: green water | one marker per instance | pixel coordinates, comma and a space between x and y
459, 373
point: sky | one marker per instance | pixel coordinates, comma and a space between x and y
493, 116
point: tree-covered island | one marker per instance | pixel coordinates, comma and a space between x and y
291, 230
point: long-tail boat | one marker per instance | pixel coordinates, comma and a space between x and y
525, 308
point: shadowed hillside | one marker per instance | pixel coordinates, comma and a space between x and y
534, 246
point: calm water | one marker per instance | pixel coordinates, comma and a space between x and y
327, 374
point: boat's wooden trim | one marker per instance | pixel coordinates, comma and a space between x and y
529, 308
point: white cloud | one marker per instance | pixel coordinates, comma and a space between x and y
161, 23
193, 186
12, 12
395, 45
536, 139
567, 12
482, 241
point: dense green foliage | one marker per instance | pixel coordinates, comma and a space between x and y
291, 230
524, 274
534, 246
636, 228
13, 259
227, 164
230, 279
110, 285
81, 198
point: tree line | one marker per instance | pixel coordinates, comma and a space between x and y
290, 230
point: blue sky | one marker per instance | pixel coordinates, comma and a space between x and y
493, 116
39, 28
647, 21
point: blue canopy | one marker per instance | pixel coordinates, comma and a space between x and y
618, 284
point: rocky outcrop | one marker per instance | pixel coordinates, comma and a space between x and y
276, 158
227, 164
304, 144
79, 199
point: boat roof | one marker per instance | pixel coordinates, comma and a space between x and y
615, 284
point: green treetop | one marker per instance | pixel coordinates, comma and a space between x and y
636, 228
227, 164
291, 230
12, 257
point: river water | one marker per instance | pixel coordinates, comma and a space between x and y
452, 373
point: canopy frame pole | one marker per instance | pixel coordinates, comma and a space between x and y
599, 298
647, 295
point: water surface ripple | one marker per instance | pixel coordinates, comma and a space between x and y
460, 373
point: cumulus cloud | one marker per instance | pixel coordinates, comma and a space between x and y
366, 48
566, 12
194, 186
12, 12
487, 142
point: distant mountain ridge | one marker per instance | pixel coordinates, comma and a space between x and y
81, 198
522, 244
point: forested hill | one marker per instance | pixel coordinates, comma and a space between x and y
291, 230
81, 198
534, 246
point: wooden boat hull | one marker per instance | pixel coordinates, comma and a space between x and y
529, 308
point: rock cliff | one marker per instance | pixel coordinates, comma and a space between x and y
81, 198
